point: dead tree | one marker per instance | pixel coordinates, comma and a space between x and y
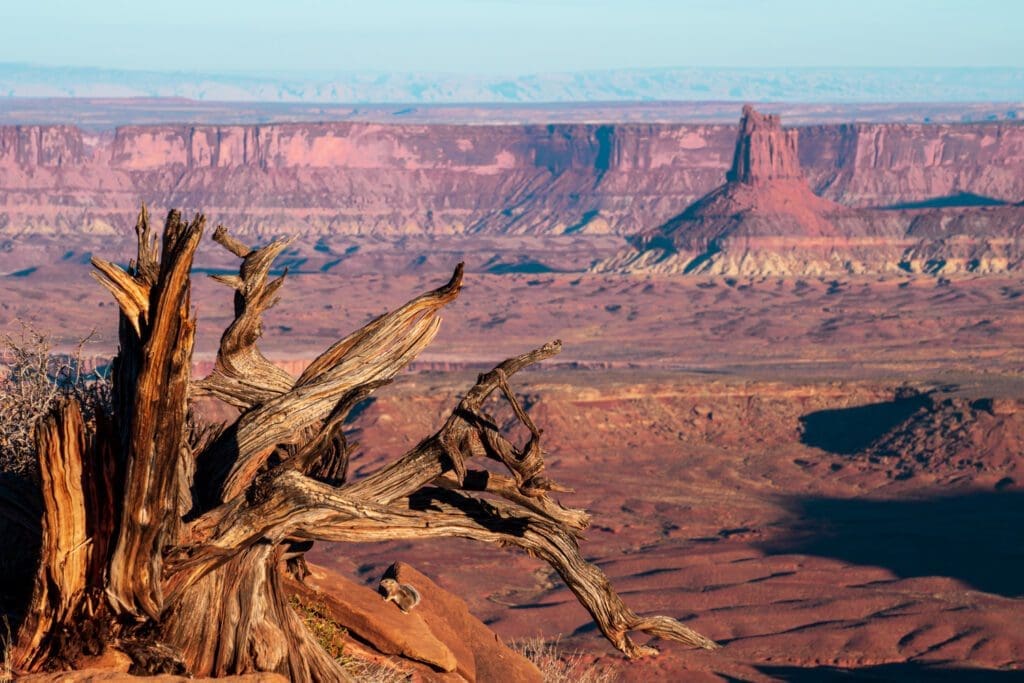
175, 538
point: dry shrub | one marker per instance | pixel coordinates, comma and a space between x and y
32, 378
559, 666
328, 633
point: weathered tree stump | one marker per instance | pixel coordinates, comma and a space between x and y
173, 538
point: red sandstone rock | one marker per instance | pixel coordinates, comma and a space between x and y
764, 150
363, 612
481, 654
439, 631
357, 178
765, 198
765, 220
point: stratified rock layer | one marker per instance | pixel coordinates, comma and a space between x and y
361, 178
765, 220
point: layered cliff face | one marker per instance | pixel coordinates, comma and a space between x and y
388, 180
362, 179
891, 165
765, 220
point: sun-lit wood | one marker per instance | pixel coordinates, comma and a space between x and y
184, 531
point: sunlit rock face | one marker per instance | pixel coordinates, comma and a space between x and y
765, 151
766, 221
354, 178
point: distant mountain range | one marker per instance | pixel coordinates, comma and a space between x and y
697, 83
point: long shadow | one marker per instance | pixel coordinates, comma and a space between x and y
977, 538
960, 199
846, 431
903, 671
528, 267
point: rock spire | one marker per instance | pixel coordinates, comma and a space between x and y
764, 150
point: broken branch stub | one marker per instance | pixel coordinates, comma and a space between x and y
154, 429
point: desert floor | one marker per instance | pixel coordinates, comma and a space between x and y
822, 475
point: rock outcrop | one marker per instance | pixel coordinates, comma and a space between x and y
953, 436
765, 220
765, 151
438, 640
481, 655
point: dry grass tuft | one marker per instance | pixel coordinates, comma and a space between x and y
372, 672
558, 666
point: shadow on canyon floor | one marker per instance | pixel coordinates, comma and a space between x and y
846, 431
953, 200
902, 671
977, 538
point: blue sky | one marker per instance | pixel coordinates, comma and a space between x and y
510, 36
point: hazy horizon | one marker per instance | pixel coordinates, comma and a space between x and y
679, 84
516, 51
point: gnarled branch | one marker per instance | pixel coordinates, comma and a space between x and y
375, 353
300, 507
242, 376
286, 504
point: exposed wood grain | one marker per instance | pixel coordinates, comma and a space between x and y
242, 376
185, 529
155, 428
237, 620
65, 555
375, 353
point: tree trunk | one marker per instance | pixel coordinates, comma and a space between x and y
172, 538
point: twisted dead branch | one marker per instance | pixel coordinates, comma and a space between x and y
203, 522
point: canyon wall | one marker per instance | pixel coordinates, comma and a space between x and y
876, 165
360, 178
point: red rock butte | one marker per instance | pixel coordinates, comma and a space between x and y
766, 220
764, 150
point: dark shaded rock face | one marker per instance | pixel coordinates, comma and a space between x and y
764, 150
